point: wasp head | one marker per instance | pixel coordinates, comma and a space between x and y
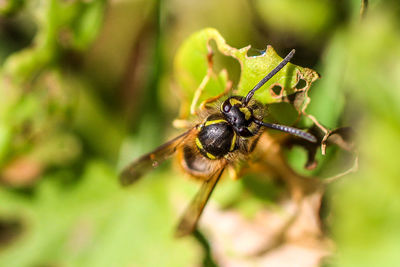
238, 115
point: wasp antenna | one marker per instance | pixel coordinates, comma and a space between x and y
288, 129
268, 76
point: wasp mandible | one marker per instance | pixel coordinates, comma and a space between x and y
225, 134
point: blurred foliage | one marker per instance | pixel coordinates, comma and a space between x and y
86, 86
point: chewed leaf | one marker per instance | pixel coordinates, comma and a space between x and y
284, 83
193, 69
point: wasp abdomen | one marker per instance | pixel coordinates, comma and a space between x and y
216, 138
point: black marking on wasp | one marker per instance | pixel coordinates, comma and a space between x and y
206, 149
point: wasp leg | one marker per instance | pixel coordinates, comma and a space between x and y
215, 98
204, 82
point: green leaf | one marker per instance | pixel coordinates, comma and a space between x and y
95, 223
256, 67
191, 66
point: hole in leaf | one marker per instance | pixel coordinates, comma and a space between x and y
276, 90
301, 84
254, 52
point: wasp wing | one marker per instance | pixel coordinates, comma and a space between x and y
192, 213
151, 160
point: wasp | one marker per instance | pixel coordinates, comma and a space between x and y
224, 135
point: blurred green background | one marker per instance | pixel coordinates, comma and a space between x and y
86, 86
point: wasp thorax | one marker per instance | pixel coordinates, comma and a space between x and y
216, 137
238, 115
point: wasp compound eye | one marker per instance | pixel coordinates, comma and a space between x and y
226, 106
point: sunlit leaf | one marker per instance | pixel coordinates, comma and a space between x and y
191, 66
